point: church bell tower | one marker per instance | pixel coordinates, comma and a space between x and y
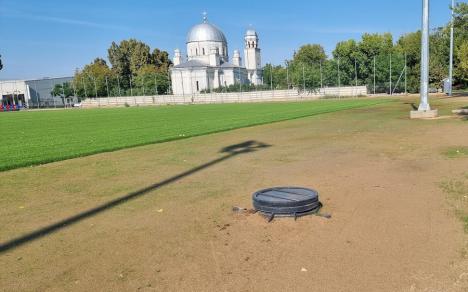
253, 62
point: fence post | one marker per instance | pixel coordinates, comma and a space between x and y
390, 73
374, 75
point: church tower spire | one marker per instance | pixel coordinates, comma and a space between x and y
252, 57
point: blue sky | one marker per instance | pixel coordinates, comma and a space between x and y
52, 37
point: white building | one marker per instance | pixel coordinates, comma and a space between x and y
207, 66
30, 93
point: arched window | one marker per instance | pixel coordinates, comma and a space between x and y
196, 52
203, 51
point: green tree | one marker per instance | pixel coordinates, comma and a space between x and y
274, 76
347, 53
63, 90
410, 44
310, 54
94, 79
129, 56
461, 44
150, 80
462, 67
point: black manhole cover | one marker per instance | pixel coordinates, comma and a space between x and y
286, 201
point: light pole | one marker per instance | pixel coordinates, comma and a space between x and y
424, 105
424, 110
451, 51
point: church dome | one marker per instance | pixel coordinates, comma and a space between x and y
205, 32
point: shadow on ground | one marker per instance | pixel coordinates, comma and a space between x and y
229, 152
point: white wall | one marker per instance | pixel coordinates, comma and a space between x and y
252, 96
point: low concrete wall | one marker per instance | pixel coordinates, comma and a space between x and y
233, 97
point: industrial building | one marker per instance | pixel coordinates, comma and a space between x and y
34, 93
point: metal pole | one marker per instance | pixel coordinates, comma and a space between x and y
355, 71
424, 105
451, 51
406, 82
240, 80
107, 87
155, 85
390, 74
95, 86
303, 78
287, 74
131, 88
118, 85
63, 92
374, 75
53, 98
74, 88
339, 80
84, 87
321, 75
271, 76
37, 97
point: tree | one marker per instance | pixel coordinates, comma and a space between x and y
63, 90
274, 76
461, 44
161, 60
347, 53
410, 44
310, 54
149, 80
462, 68
129, 56
94, 80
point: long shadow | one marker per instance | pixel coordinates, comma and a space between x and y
231, 151
413, 105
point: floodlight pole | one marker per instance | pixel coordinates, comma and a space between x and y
424, 104
451, 51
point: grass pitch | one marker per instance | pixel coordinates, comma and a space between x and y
31, 138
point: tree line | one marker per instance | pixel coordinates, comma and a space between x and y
134, 70
377, 57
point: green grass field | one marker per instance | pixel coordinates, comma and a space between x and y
38, 137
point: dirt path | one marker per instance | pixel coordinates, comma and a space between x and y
377, 172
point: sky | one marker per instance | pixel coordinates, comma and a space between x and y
52, 38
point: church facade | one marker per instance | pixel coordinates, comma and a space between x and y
207, 64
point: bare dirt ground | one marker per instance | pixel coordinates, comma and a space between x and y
378, 173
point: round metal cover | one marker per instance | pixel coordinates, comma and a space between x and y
286, 201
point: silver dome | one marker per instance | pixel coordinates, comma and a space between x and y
205, 32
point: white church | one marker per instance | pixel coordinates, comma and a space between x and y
207, 65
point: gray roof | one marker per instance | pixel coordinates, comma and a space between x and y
205, 32
228, 65
191, 64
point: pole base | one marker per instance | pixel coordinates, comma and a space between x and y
429, 114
